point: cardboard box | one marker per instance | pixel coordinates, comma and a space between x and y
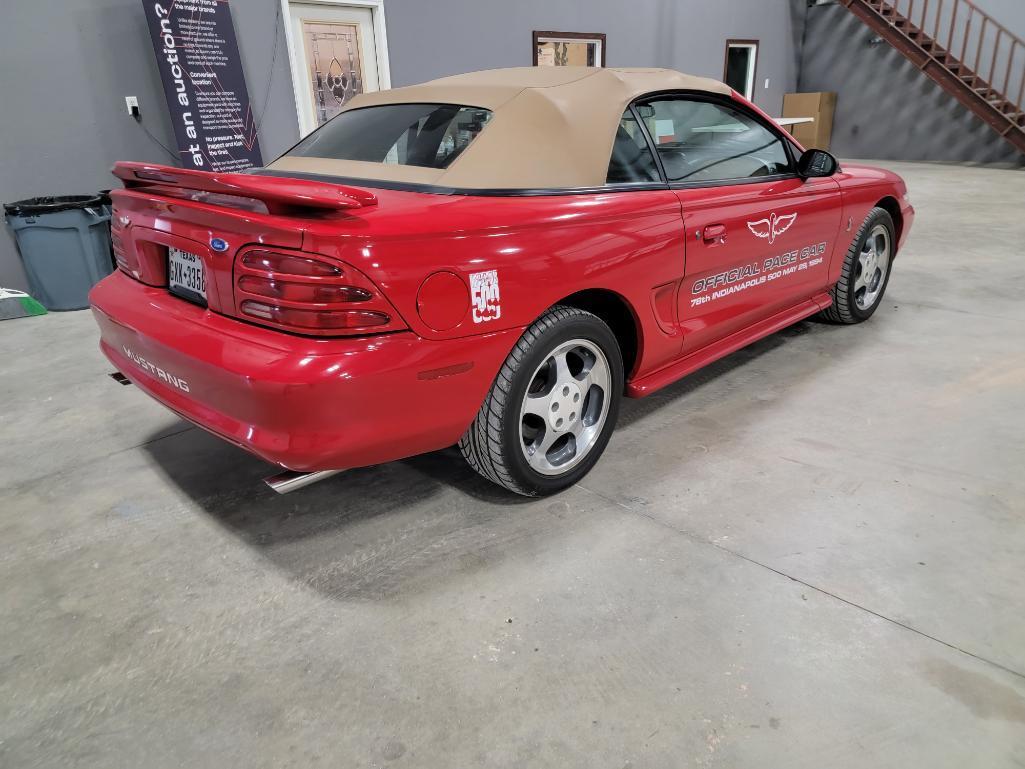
819, 105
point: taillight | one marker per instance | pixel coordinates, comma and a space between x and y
302, 292
315, 319
127, 260
309, 294
290, 264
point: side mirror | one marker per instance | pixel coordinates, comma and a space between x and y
816, 163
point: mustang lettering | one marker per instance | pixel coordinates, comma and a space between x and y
144, 364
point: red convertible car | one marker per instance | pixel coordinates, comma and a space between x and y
490, 259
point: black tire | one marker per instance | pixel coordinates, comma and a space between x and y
493, 443
845, 308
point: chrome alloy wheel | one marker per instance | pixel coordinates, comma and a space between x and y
565, 407
873, 264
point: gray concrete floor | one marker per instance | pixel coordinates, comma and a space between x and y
811, 554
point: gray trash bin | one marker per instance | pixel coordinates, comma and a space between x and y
65, 246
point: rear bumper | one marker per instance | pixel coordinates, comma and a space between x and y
304, 404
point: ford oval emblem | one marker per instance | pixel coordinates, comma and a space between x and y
218, 245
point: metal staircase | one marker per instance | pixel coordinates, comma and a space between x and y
966, 51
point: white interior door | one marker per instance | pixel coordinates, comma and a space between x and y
741, 61
335, 55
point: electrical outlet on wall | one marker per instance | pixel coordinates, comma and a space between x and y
132, 105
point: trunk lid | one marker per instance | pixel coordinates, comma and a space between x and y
214, 216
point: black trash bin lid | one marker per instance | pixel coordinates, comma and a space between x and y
51, 204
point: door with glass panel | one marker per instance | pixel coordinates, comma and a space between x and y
334, 58
758, 237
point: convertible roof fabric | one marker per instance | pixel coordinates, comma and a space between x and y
551, 127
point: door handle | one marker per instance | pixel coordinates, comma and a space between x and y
715, 233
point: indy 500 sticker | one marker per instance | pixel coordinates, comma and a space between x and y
484, 296
717, 286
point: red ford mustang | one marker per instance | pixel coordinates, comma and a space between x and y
491, 260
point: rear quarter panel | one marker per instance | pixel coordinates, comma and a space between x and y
542, 248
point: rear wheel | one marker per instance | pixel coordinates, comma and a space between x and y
552, 407
866, 271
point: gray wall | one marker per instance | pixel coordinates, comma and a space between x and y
65, 68
63, 121
886, 108
442, 37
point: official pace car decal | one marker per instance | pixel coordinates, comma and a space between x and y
772, 227
484, 296
755, 274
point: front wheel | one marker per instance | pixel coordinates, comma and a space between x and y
866, 271
552, 407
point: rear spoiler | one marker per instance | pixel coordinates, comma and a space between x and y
278, 194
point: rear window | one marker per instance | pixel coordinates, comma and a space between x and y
426, 135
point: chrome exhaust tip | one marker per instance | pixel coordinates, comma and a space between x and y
290, 480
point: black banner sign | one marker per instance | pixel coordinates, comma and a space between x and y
197, 54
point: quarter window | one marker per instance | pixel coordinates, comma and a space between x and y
701, 141
631, 161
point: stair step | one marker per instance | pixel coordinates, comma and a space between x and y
992, 100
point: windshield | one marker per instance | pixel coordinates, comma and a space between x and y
426, 135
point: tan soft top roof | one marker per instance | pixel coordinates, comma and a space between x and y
550, 127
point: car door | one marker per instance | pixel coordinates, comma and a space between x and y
758, 238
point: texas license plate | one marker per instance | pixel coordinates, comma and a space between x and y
185, 275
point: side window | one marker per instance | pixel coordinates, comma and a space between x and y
631, 160
701, 141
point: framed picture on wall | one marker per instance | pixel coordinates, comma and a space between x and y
569, 49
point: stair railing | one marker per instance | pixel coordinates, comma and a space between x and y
995, 55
